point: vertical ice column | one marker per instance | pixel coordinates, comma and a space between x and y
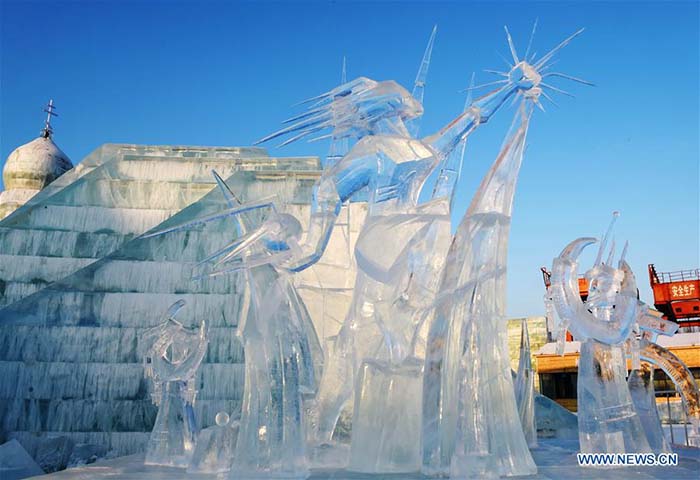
607, 420
386, 419
525, 388
641, 386
470, 421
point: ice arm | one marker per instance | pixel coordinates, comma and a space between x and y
481, 111
334, 187
324, 211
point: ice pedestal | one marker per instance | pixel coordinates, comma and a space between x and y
641, 387
607, 419
173, 437
386, 424
215, 447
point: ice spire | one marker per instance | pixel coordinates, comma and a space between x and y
604, 242
339, 146
525, 388
451, 170
421, 78
47, 131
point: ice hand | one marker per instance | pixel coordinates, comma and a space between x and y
274, 243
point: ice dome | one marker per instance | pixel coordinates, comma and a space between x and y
30, 168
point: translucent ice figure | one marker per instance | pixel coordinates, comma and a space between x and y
215, 447
608, 422
397, 274
172, 361
470, 421
525, 388
645, 355
280, 343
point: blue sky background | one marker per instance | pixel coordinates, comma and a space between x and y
223, 73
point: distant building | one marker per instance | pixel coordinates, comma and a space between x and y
31, 167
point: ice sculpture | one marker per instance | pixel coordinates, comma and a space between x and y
607, 419
525, 388
172, 362
279, 339
216, 446
645, 355
470, 422
391, 291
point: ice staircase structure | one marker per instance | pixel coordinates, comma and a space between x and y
79, 284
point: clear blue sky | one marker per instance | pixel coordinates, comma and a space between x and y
219, 73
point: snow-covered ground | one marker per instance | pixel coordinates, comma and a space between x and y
556, 459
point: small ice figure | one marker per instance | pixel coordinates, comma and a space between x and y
608, 421
215, 446
172, 361
279, 339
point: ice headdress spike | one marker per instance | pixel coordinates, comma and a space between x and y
604, 242
421, 78
611, 254
326, 110
623, 255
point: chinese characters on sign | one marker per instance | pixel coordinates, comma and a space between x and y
683, 290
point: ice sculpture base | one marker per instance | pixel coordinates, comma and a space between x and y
171, 442
607, 420
386, 420
554, 458
473, 466
214, 450
330, 455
